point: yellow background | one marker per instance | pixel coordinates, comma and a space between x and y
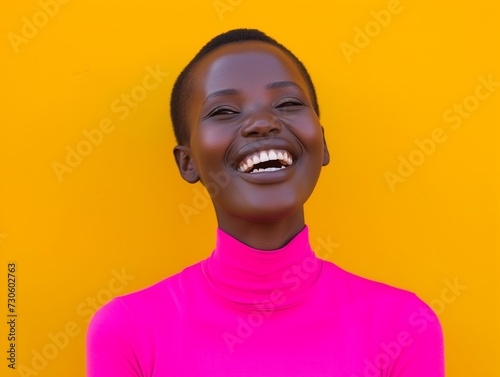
118, 210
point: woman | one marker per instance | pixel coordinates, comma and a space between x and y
246, 119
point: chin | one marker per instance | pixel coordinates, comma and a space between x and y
269, 210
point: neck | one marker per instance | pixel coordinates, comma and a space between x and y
262, 280
262, 234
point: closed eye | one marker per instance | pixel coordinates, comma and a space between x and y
221, 110
289, 102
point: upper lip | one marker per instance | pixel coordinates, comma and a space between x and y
255, 148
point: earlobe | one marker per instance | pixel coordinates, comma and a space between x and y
326, 154
185, 163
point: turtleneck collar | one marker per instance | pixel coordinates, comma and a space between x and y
253, 278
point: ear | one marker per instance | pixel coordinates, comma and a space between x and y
326, 154
185, 163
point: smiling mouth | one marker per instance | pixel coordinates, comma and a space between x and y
265, 161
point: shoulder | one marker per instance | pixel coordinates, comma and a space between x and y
125, 331
393, 318
397, 312
161, 297
380, 301
362, 288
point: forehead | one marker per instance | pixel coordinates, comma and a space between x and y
245, 65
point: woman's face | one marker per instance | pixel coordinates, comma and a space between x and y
256, 142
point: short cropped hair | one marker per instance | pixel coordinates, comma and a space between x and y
183, 85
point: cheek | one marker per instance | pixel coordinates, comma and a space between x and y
204, 141
209, 148
311, 137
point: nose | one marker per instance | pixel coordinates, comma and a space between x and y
261, 124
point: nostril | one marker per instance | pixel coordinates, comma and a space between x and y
261, 127
253, 133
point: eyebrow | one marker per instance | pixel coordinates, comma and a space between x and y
273, 85
282, 84
221, 93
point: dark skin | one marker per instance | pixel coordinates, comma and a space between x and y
248, 98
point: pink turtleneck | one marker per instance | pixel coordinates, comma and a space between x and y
283, 313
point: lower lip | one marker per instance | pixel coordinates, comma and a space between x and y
268, 177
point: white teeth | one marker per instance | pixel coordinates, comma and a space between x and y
264, 157
287, 158
283, 156
266, 169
